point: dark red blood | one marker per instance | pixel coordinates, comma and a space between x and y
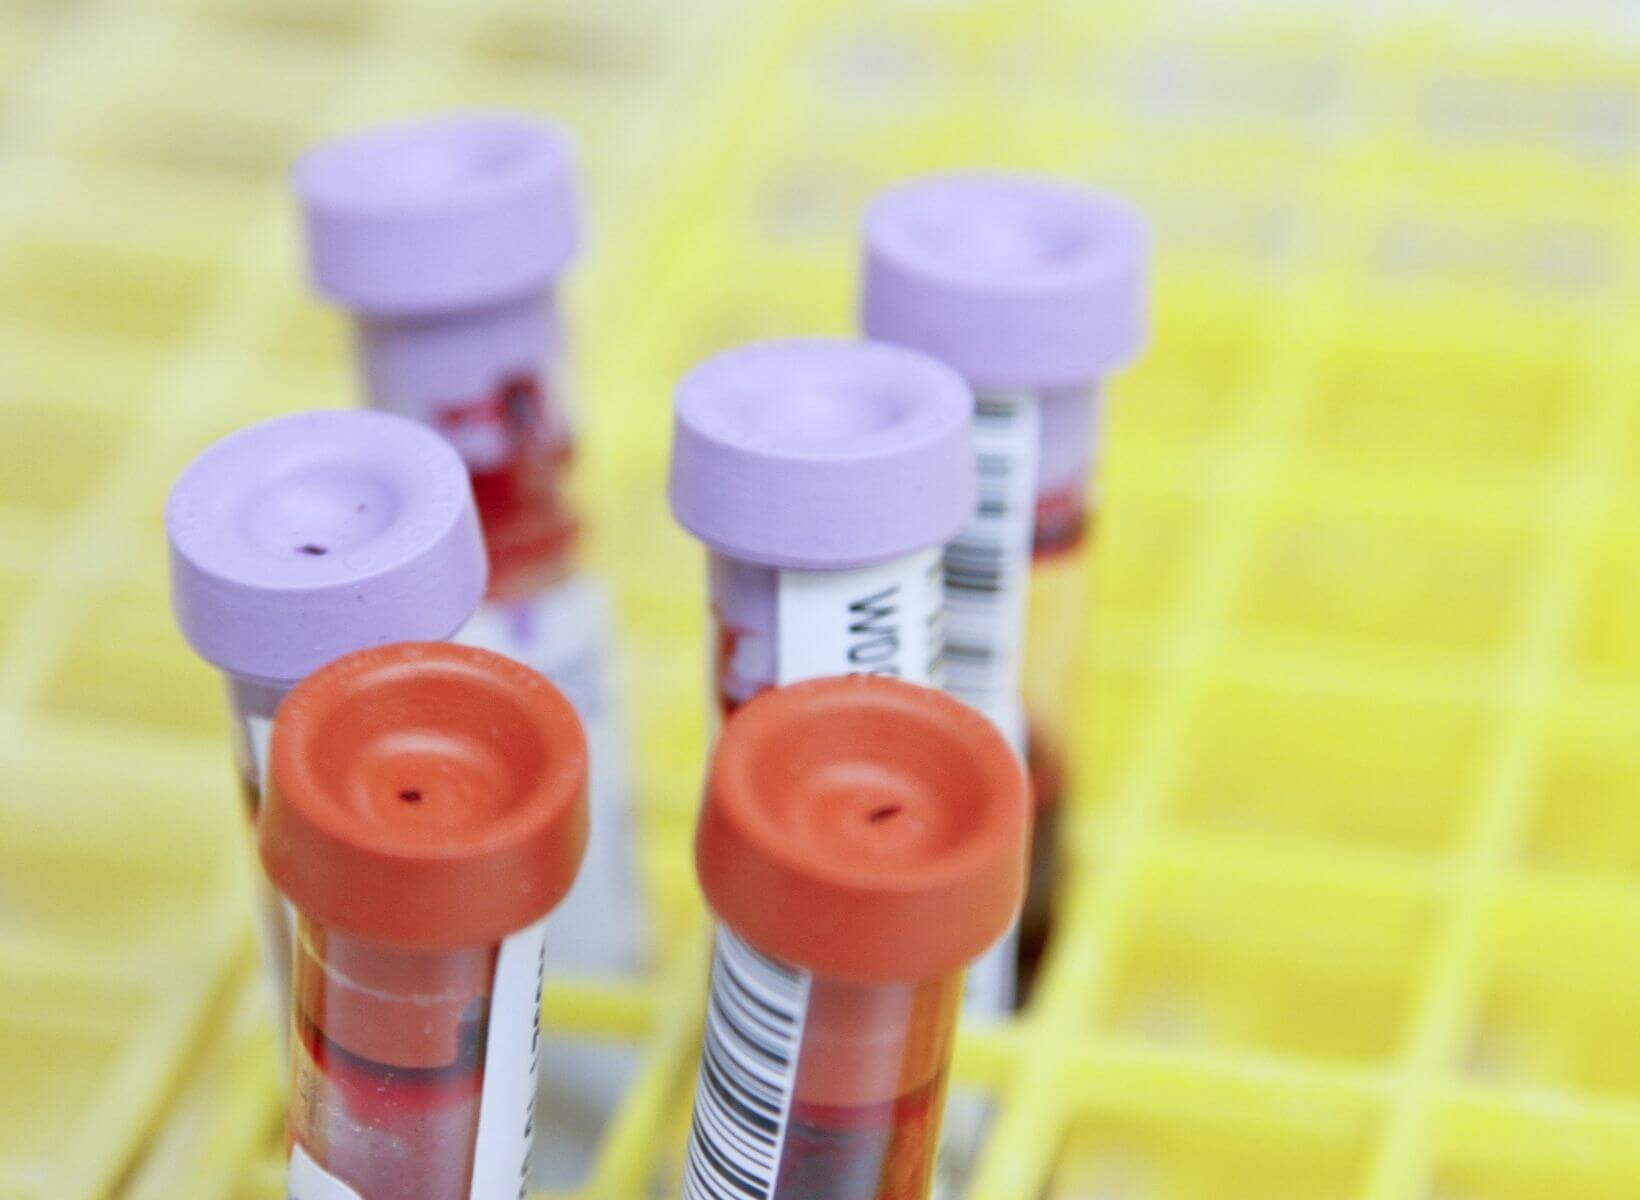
731, 690
529, 527
867, 1152
1061, 522
376, 1093
252, 796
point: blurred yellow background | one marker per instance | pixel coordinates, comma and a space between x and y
1358, 838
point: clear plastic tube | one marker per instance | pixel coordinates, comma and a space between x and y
297, 540
252, 704
388, 1060
861, 841
1056, 626
870, 1088
859, 1118
744, 630
425, 812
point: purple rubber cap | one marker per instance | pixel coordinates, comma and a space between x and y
439, 215
304, 538
1017, 281
819, 455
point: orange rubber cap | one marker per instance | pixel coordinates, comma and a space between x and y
425, 795
864, 829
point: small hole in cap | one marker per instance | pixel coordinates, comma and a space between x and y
887, 812
310, 548
410, 795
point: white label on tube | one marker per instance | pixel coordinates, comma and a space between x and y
307, 1180
506, 1114
748, 1068
987, 580
884, 619
564, 633
988, 565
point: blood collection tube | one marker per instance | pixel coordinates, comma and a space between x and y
446, 240
862, 840
823, 476
1033, 289
426, 809
301, 539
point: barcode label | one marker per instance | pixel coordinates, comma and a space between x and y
886, 619
987, 566
748, 1064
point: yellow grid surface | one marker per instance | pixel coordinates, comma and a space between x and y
1357, 837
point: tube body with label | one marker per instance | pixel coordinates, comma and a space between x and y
1033, 289
447, 239
823, 477
426, 809
861, 841
299, 540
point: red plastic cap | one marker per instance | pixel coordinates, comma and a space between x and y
865, 829
426, 795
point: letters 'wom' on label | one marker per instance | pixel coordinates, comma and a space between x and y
884, 619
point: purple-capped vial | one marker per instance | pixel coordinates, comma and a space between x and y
304, 538
446, 240
1034, 290
824, 477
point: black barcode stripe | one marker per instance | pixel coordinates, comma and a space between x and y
934, 589
985, 563
754, 1025
744, 1000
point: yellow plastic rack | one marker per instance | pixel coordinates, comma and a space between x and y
1357, 841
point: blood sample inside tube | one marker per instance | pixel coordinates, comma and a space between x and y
388, 1063
869, 1092
483, 379
426, 809
872, 835
518, 449
745, 636
1056, 624
1035, 290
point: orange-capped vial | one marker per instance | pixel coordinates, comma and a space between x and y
426, 809
862, 840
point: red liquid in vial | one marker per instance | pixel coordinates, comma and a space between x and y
251, 795
865, 1115
1042, 877
528, 523
872, 1152
405, 1129
731, 691
1061, 534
